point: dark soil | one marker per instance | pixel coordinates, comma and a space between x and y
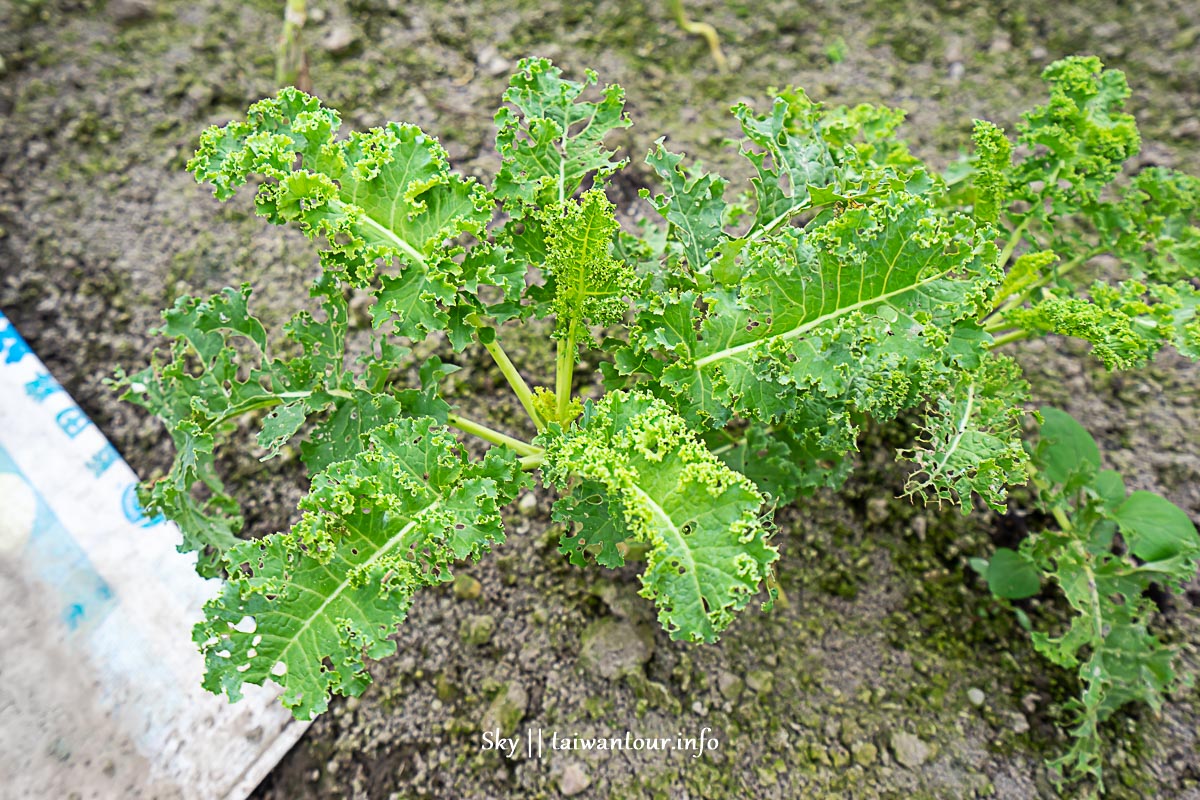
884, 629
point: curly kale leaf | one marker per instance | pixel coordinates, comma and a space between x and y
593, 526
970, 440
222, 368
861, 315
782, 463
385, 196
1126, 324
693, 203
301, 608
991, 162
1077, 142
590, 286
1057, 198
219, 369
1154, 229
708, 549
787, 159
550, 141
805, 157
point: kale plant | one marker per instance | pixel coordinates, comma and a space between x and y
1118, 659
745, 341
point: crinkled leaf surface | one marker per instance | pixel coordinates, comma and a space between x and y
856, 315
384, 196
970, 442
221, 369
1126, 324
593, 525
708, 549
550, 139
590, 285
302, 608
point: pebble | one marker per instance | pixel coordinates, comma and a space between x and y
340, 40
477, 629
865, 754
761, 681
507, 709
613, 648
573, 780
730, 686
124, 12
527, 505
909, 750
466, 587
975, 697
490, 62
878, 509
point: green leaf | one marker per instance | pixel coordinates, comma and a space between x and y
783, 464
708, 550
202, 323
590, 286
384, 196
1027, 271
302, 608
970, 441
593, 526
1108, 640
1155, 227
427, 401
859, 315
219, 370
553, 140
1081, 138
992, 159
693, 204
1110, 487
788, 161
1065, 449
342, 435
281, 425
1155, 528
1126, 324
1012, 576
209, 526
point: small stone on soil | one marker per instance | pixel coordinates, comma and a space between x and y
466, 587
124, 12
573, 780
864, 753
730, 685
477, 629
612, 648
909, 750
340, 40
761, 681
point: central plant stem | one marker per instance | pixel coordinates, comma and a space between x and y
564, 372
